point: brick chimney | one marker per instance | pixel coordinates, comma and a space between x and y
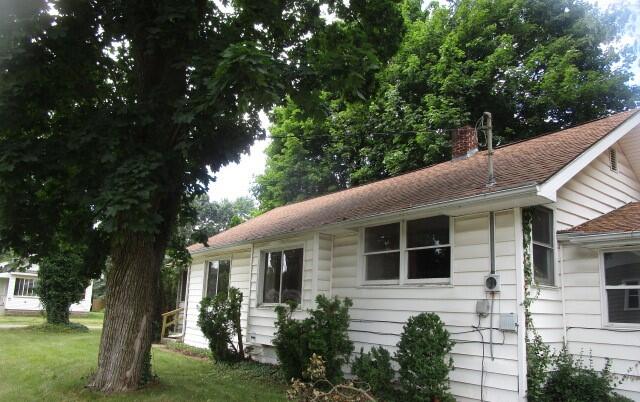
464, 143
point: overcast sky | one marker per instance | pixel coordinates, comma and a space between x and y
235, 180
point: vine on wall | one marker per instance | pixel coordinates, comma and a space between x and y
538, 353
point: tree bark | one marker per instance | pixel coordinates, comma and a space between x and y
131, 295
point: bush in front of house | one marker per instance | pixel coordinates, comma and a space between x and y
219, 321
374, 368
423, 358
323, 332
573, 380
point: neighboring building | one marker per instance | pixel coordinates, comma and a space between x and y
425, 241
18, 296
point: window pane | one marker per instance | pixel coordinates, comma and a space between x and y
428, 232
16, 288
621, 268
633, 299
429, 263
617, 311
212, 278
292, 275
542, 226
271, 282
223, 276
381, 238
183, 285
542, 265
383, 266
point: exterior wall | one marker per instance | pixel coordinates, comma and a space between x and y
261, 327
586, 333
27, 304
239, 278
379, 312
595, 191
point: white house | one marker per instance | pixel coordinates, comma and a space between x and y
17, 293
427, 240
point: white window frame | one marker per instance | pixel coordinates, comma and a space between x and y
263, 254
626, 294
206, 272
403, 279
604, 300
22, 288
553, 248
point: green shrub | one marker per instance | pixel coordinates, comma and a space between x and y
573, 381
422, 356
62, 280
374, 368
538, 361
324, 333
219, 321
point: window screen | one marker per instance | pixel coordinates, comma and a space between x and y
622, 286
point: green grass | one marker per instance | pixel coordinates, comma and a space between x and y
37, 365
91, 319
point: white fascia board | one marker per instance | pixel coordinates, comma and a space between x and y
601, 240
549, 188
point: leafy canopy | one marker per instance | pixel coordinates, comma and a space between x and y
537, 65
112, 112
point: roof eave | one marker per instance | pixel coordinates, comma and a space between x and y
530, 191
601, 240
550, 187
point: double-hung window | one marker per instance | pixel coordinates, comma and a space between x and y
408, 252
542, 239
282, 275
25, 287
218, 272
622, 286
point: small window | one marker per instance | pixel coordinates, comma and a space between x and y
613, 159
428, 248
282, 276
622, 286
218, 273
382, 252
25, 287
543, 258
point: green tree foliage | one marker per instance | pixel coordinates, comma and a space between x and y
114, 112
537, 65
323, 333
219, 320
62, 280
423, 356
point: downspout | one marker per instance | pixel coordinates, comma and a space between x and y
563, 297
492, 248
247, 338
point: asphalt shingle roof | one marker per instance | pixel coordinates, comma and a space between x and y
518, 164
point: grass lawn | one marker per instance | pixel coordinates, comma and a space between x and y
37, 366
92, 319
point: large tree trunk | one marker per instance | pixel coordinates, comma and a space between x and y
132, 284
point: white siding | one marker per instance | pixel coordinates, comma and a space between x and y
593, 192
240, 274
25, 304
261, 326
379, 313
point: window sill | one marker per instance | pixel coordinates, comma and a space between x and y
619, 326
410, 285
546, 287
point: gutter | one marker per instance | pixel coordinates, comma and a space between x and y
532, 189
584, 238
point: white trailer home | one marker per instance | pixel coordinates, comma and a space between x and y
427, 240
18, 295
